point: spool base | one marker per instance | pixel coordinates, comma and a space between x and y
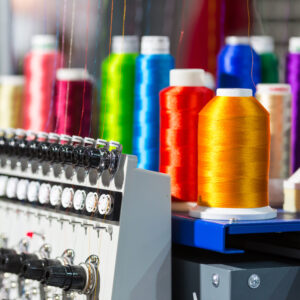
216, 213
183, 206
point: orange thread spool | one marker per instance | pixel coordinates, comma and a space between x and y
233, 157
179, 107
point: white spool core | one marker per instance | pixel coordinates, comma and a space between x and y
3, 184
79, 199
242, 214
44, 193
273, 88
294, 44
187, 77
72, 74
55, 195
67, 198
237, 40
33, 191
11, 188
22, 189
262, 44
125, 44
234, 92
44, 42
91, 202
14, 80
155, 45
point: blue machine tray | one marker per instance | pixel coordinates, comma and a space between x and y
211, 235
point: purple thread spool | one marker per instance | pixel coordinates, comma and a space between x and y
293, 78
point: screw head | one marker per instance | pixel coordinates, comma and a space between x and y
254, 281
215, 279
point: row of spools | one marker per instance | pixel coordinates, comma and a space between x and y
163, 132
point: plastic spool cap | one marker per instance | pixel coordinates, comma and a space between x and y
262, 44
273, 88
187, 77
43, 42
44, 193
67, 198
155, 45
234, 92
91, 202
22, 189
293, 182
3, 184
33, 191
55, 195
237, 40
209, 81
294, 44
72, 74
14, 80
79, 200
125, 44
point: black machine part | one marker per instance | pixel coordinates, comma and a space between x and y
12, 263
35, 269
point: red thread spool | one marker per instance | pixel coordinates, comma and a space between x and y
40, 68
73, 101
179, 107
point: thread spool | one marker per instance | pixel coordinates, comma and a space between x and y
264, 47
73, 99
152, 75
233, 158
235, 64
39, 68
11, 101
117, 93
293, 78
276, 98
179, 107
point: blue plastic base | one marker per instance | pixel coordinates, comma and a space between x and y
211, 235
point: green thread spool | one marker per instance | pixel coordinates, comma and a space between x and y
117, 93
264, 46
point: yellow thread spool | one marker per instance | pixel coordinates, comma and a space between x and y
11, 101
233, 158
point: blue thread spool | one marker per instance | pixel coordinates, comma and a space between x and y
152, 75
235, 63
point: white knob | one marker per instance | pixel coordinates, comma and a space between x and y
79, 199
55, 195
105, 204
67, 198
22, 189
3, 184
91, 202
33, 191
44, 193
11, 188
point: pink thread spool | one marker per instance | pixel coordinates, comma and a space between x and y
73, 102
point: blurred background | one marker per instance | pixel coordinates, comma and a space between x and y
196, 27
